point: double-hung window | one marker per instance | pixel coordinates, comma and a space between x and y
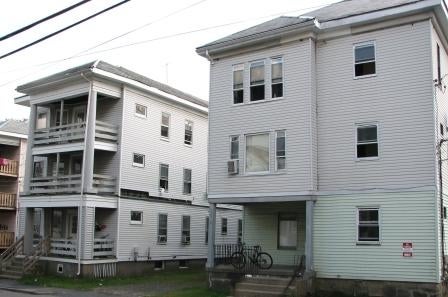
365, 60
240, 231
287, 231
257, 81
165, 126
223, 226
188, 138
368, 224
277, 77
185, 230
234, 147
187, 182
138, 160
163, 178
257, 153
280, 150
238, 85
141, 110
136, 217
162, 230
366, 141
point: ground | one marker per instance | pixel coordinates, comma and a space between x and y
187, 283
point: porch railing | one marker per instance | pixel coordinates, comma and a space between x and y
63, 247
8, 200
103, 183
106, 132
9, 167
56, 184
103, 248
6, 239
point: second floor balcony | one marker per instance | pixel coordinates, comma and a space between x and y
71, 184
8, 200
9, 167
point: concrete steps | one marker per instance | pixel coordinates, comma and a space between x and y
264, 286
13, 269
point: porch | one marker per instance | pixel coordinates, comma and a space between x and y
6, 239
8, 201
8, 167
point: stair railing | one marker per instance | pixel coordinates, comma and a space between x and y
30, 261
298, 272
11, 252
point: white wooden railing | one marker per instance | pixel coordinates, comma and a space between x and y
106, 132
8, 200
103, 248
9, 167
103, 183
6, 239
56, 184
63, 247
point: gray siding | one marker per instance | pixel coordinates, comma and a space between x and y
88, 231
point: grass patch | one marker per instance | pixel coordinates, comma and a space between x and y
190, 278
192, 292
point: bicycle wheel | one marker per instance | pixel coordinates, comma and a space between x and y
264, 260
238, 260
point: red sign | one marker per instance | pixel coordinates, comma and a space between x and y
407, 249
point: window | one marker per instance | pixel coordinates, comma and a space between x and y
206, 229
188, 139
287, 231
234, 147
136, 217
257, 81
257, 153
187, 181
163, 182
165, 126
41, 122
240, 231
367, 141
277, 77
141, 110
280, 150
38, 170
185, 229
223, 226
139, 160
365, 59
368, 225
238, 89
439, 70
162, 230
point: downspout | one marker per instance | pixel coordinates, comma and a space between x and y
81, 198
442, 225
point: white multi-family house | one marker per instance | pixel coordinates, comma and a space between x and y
115, 177
327, 128
13, 137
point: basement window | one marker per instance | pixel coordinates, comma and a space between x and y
365, 60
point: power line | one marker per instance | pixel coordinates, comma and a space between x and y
43, 20
63, 29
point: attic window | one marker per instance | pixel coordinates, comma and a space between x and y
365, 62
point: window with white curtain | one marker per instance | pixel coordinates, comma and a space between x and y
257, 153
287, 231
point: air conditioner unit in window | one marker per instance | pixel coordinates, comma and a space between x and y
233, 166
161, 239
185, 239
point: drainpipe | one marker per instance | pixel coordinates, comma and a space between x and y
442, 225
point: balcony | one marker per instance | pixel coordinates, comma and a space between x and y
6, 239
9, 167
67, 248
8, 200
66, 184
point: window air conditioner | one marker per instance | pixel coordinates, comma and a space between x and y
233, 166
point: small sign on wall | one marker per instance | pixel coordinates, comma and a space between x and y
407, 249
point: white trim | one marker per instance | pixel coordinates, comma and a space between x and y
279, 61
168, 126
367, 124
150, 89
4, 133
230, 147
275, 152
257, 84
237, 67
360, 45
192, 131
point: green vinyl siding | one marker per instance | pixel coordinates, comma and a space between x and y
405, 216
261, 227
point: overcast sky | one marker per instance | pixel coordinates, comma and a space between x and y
171, 60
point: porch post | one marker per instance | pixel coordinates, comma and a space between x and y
29, 151
211, 236
29, 232
309, 236
61, 114
90, 142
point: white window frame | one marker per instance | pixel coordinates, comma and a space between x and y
227, 226
259, 84
357, 125
276, 163
168, 126
230, 147
167, 178
287, 217
182, 230
158, 229
364, 44
278, 60
144, 116
364, 242
238, 67
138, 164
133, 222
185, 132
185, 181
245, 154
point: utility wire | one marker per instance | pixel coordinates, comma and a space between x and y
63, 29
43, 20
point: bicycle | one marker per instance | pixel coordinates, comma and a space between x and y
261, 259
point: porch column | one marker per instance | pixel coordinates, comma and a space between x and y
211, 236
90, 142
309, 236
29, 156
61, 114
28, 232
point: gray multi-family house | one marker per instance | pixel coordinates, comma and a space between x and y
115, 179
327, 128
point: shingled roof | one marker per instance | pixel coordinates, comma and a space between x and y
117, 70
14, 126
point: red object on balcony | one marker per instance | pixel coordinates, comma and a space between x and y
3, 161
